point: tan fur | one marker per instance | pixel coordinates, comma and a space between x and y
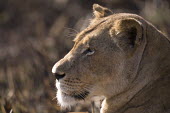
128, 63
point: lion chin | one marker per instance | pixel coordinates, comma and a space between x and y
65, 101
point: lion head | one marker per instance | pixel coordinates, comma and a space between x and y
107, 59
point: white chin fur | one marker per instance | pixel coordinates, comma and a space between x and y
65, 101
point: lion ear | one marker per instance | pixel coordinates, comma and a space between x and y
100, 11
127, 32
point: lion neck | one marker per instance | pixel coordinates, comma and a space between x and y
152, 67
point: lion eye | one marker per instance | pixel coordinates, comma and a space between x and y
88, 51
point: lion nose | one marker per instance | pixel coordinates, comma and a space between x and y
57, 71
58, 76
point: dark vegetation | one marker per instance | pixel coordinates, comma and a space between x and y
34, 34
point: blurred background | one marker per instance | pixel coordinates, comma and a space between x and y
34, 34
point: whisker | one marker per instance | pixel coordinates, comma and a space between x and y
80, 92
71, 35
83, 96
70, 32
55, 98
83, 93
71, 29
87, 88
79, 96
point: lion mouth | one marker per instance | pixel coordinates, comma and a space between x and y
78, 96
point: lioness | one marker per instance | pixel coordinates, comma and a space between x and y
121, 57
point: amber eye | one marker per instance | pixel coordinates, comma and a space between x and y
88, 51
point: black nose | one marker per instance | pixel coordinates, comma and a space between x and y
59, 76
